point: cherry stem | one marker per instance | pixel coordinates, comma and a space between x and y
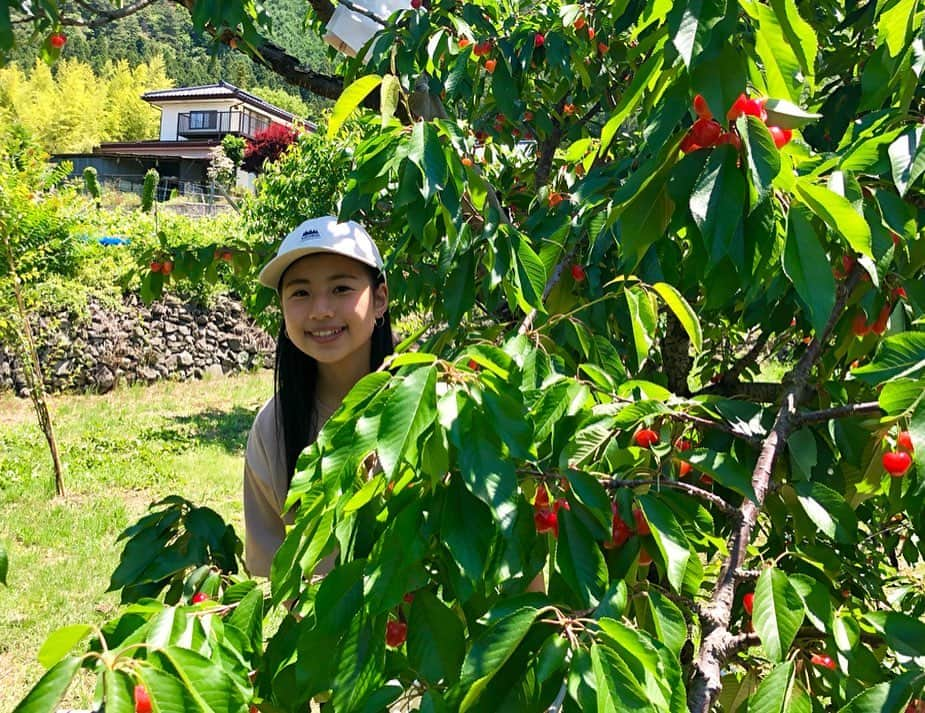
712, 498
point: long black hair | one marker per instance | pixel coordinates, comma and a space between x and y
295, 377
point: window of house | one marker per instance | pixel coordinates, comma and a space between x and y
202, 119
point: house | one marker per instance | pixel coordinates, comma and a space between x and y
193, 122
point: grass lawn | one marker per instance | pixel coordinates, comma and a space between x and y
121, 452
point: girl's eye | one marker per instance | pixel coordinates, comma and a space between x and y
340, 289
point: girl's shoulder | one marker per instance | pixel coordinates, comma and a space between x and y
265, 421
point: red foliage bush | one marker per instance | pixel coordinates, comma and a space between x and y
267, 145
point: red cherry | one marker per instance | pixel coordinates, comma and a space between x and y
737, 108
701, 108
473, 364
780, 136
682, 444
561, 505
395, 633
706, 132
731, 138
642, 525
879, 326
580, 22
167, 267
859, 324
155, 266
546, 521
684, 468
645, 437
688, 144
645, 558
463, 42
900, 292
706, 479
904, 441
490, 65
409, 597
744, 105
620, 531
142, 700
591, 33
199, 597
748, 601
541, 499
539, 40
896, 463
57, 40
895, 238
416, 4
823, 660
578, 273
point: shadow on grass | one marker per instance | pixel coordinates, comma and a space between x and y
227, 429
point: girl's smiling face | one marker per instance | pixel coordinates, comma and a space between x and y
330, 306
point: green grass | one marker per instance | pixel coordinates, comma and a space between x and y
121, 452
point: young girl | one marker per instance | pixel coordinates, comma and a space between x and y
335, 330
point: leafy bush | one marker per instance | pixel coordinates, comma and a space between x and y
149, 189
267, 146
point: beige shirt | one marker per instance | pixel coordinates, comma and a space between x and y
266, 486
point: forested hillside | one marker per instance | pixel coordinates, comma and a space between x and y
165, 30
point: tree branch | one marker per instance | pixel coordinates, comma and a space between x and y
705, 682
712, 498
846, 411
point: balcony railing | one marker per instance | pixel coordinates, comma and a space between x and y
208, 124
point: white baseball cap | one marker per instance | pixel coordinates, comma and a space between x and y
321, 235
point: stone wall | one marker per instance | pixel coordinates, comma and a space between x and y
168, 339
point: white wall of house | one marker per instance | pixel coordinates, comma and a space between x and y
170, 112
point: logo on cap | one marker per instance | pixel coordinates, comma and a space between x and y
310, 234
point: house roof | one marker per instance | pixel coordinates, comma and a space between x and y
221, 90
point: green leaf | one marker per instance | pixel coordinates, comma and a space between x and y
60, 642
907, 158
580, 560
896, 24
675, 301
828, 510
778, 612
903, 633
436, 641
838, 213
780, 63
807, 267
467, 529
349, 100
360, 657
724, 469
900, 395
670, 625
644, 321
490, 650
801, 38
530, 274
816, 600
51, 687
888, 697
395, 562
717, 202
898, 356
780, 692
786, 115
409, 412
210, 686
762, 155
390, 93
630, 98
669, 537
617, 689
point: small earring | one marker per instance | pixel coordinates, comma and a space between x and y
380, 320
